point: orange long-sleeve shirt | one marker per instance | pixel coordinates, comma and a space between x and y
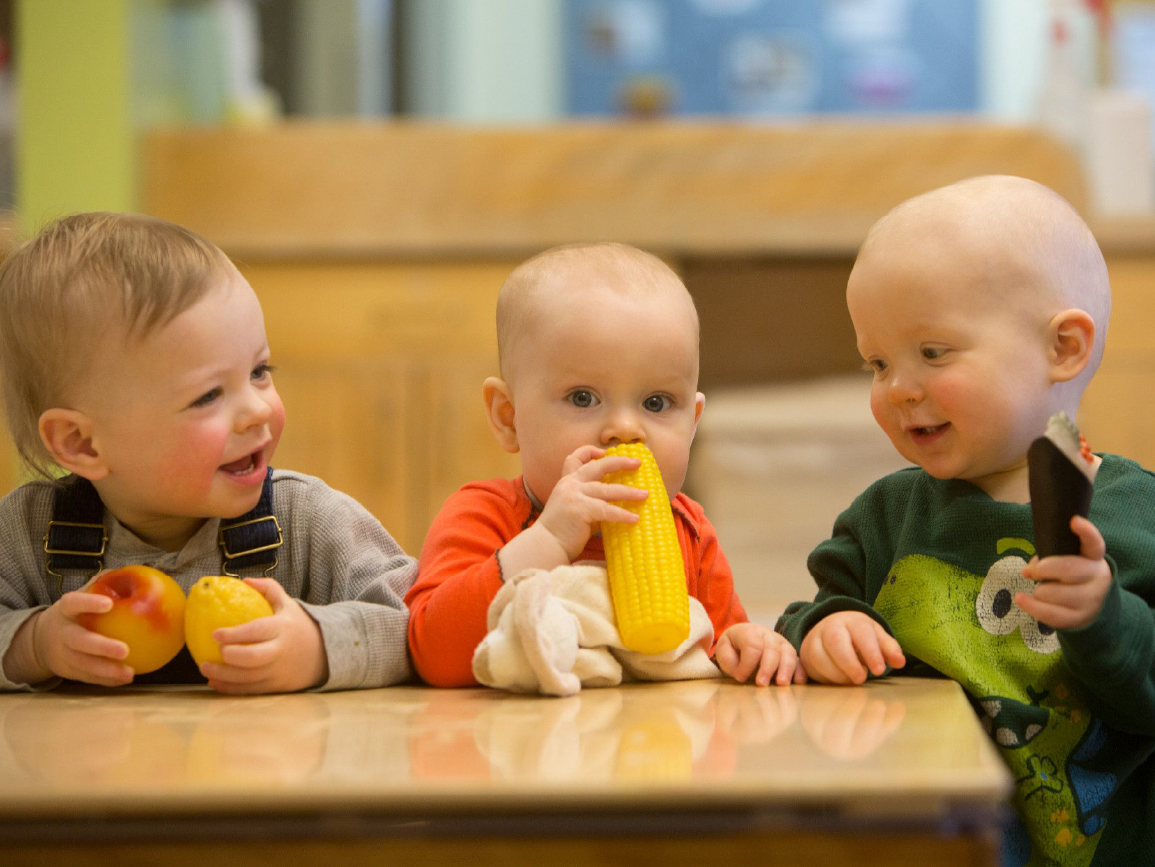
459, 574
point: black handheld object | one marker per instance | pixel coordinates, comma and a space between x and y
1059, 491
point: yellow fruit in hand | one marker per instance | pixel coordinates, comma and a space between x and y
215, 602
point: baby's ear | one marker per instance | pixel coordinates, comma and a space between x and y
67, 434
1071, 338
699, 405
499, 412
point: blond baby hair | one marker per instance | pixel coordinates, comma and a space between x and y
79, 278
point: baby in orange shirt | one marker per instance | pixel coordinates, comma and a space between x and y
598, 345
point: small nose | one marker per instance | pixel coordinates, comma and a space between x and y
904, 388
622, 427
255, 411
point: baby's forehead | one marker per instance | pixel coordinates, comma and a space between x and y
1010, 237
587, 288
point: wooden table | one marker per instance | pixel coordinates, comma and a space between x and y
897, 771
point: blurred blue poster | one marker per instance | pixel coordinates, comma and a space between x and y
1134, 55
770, 57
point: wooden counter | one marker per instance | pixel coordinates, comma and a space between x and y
414, 775
384, 191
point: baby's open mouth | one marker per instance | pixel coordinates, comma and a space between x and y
241, 465
928, 430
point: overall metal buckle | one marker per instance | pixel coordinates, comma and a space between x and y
233, 555
49, 551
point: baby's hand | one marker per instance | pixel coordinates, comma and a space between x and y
62, 647
1070, 589
842, 647
282, 653
749, 648
580, 500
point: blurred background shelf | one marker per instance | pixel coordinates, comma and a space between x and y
694, 188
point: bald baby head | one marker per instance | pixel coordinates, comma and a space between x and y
568, 279
1023, 242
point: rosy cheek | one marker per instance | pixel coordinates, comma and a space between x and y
193, 457
951, 392
277, 419
879, 406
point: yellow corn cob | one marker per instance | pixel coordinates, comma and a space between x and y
644, 561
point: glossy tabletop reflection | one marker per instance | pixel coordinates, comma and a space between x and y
897, 746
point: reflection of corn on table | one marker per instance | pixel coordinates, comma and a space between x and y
675, 773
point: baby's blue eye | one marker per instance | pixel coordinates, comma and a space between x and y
931, 353
262, 371
582, 398
875, 365
657, 402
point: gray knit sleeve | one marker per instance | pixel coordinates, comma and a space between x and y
351, 577
24, 585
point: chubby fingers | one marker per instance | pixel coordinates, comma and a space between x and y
583, 493
74, 603
92, 658
833, 657
272, 590
748, 649
248, 652
1091, 543
261, 630
76, 638
742, 658
727, 656
591, 463
69, 649
604, 497
878, 648
580, 456
780, 664
593, 473
892, 653
1069, 602
849, 649
1069, 589
594, 469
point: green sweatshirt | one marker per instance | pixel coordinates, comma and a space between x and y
1073, 711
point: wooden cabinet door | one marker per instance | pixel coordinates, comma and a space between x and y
380, 366
1117, 413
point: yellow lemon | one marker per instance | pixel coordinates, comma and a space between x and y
214, 602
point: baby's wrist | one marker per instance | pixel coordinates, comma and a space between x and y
23, 661
551, 541
34, 645
533, 548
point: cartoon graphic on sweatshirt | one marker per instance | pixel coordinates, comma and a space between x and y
968, 627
